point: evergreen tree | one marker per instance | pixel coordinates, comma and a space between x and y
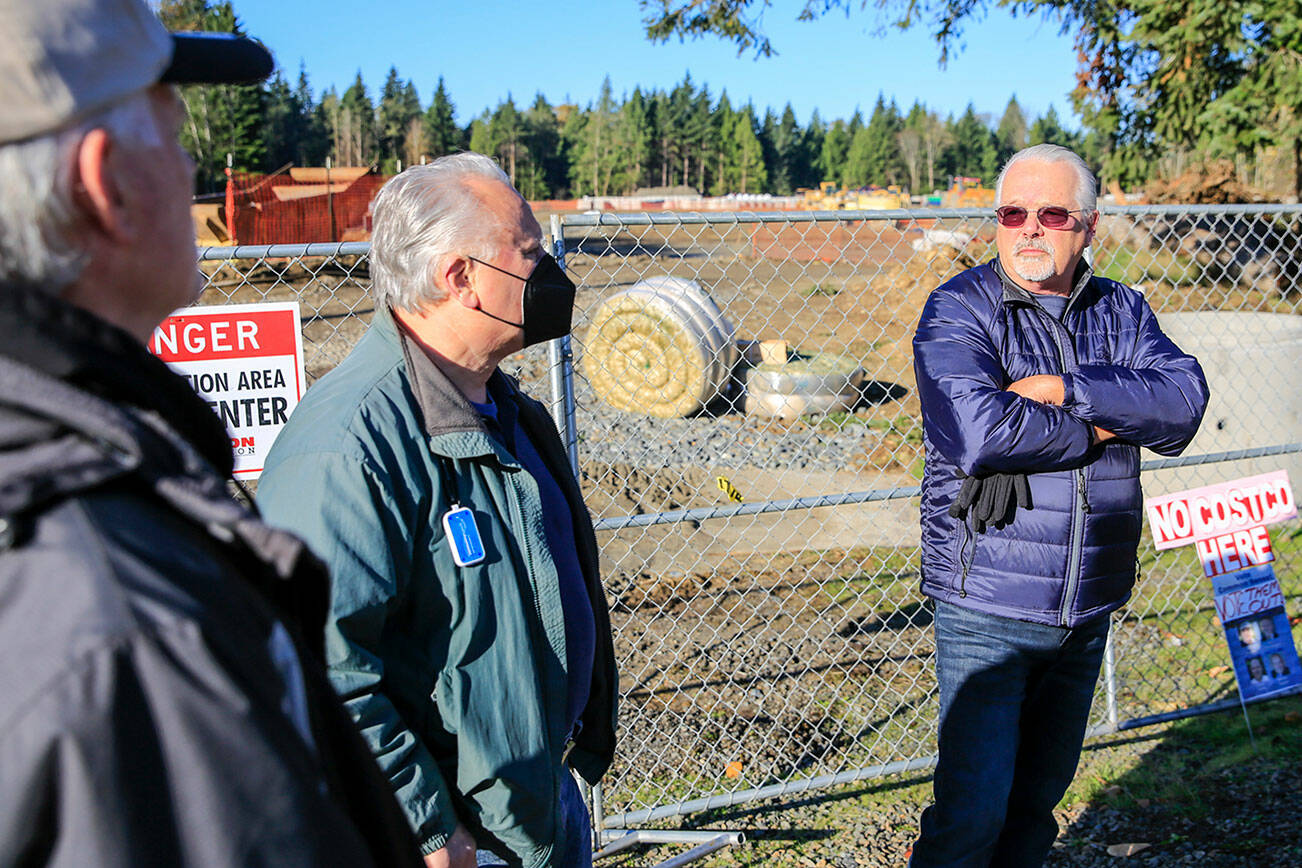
811, 151
637, 123
354, 129
596, 154
680, 115
793, 161
442, 135
972, 151
574, 126
219, 119
911, 138
855, 124
936, 137
855, 172
700, 135
662, 126
722, 149
831, 158
774, 166
1050, 129
1010, 135
1264, 107
506, 137
281, 124
480, 137
399, 106
884, 162
313, 141
747, 155
546, 171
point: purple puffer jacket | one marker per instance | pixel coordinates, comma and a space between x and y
1071, 556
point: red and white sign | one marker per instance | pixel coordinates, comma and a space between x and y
1235, 551
246, 361
1216, 512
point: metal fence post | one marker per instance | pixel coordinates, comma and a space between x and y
561, 358
1110, 680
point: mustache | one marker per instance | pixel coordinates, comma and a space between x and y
1032, 244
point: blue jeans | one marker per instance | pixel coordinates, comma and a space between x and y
1014, 703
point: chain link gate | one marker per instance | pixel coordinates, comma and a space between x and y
763, 572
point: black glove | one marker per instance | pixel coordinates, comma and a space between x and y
991, 500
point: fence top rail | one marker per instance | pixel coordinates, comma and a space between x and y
269, 251
679, 218
1154, 210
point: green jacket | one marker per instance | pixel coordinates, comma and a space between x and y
455, 675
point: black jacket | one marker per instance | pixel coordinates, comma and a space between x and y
162, 700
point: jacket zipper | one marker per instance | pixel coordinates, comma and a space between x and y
963, 559
531, 573
1076, 537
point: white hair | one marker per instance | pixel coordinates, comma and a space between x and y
39, 243
424, 214
1086, 186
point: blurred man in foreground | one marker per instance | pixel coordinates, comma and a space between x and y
161, 691
1038, 383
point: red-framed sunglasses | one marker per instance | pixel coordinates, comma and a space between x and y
1050, 216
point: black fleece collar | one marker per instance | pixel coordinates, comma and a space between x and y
75, 346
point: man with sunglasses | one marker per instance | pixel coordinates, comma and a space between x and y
1038, 383
468, 632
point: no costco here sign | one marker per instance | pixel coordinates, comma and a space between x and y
1227, 522
246, 361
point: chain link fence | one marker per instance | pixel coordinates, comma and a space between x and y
762, 565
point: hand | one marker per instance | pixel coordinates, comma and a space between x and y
1041, 388
991, 500
1102, 435
458, 852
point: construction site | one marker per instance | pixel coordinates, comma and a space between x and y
307, 205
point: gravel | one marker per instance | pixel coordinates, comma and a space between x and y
721, 434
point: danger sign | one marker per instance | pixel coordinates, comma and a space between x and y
246, 361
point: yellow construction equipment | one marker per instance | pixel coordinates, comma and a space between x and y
830, 197
967, 193
875, 199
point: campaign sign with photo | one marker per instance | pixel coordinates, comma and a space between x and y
246, 361
1251, 609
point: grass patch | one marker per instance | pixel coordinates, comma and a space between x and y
1189, 759
1129, 265
825, 289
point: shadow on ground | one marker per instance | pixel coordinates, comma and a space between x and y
1201, 792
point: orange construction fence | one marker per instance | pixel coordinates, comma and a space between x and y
301, 207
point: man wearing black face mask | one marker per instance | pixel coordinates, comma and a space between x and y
469, 634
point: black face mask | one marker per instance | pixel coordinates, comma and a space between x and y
548, 302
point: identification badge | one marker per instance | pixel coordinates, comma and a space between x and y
463, 537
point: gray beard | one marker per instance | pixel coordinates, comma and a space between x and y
1035, 271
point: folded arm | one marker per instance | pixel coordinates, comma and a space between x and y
970, 416
1156, 397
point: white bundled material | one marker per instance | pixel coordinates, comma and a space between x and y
661, 347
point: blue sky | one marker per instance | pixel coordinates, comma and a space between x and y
491, 48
